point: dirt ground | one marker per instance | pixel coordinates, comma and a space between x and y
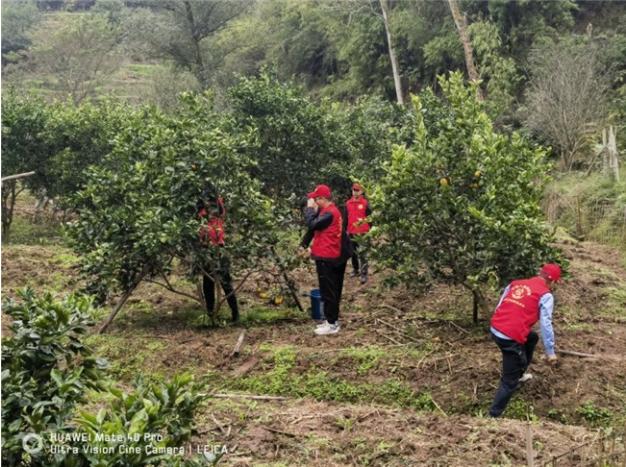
349, 398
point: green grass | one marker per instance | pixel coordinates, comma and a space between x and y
129, 357
520, 409
264, 315
366, 358
284, 380
616, 301
65, 259
591, 207
596, 416
25, 232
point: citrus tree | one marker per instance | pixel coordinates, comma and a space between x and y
24, 145
58, 141
295, 138
137, 213
78, 136
461, 205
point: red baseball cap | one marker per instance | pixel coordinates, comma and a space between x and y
357, 186
552, 271
320, 191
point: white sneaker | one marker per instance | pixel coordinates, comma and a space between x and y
326, 329
526, 377
324, 323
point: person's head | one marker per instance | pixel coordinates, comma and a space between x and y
322, 195
357, 190
551, 274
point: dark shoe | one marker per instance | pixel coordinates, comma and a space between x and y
363, 279
354, 274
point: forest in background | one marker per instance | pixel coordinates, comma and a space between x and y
554, 70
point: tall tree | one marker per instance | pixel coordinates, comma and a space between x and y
460, 20
392, 53
567, 96
78, 56
178, 30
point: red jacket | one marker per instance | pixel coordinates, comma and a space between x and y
212, 231
327, 242
358, 209
519, 309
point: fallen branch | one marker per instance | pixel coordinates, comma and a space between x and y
246, 367
247, 396
219, 425
434, 360
392, 308
438, 408
578, 354
379, 332
463, 330
280, 432
16, 176
399, 331
530, 455
237, 348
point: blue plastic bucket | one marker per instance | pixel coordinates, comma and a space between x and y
317, 305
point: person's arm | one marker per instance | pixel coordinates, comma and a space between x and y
306, 240
315, 221
368, 213
546, 306
221, 210
506, 291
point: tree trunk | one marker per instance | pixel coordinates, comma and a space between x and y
9, 195
116, 310
200, 68
478, 303
460, 21
200, 291
613, 154
290, 284
392, 55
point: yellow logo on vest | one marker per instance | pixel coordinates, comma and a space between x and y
520, 291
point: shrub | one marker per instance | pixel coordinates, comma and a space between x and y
45, 367
461, 205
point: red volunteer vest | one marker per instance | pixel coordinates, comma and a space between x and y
356, 211
327, 242
519, 309
213, 230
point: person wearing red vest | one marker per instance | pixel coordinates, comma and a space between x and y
326, 223
522, 304
211, 234
358, 209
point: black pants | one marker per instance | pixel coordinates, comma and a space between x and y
208, 288
515, 360
356, 256
330, 277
